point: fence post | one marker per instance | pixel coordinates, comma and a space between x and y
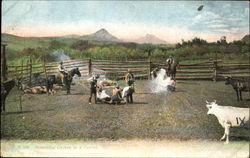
16, 72
149, 69
22, 70
3, 63
30, 71
20, 102
90, 67
215, 67
46, 76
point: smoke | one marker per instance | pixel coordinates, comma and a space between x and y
60, 55
160, 83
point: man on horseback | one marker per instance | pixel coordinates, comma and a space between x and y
62, 71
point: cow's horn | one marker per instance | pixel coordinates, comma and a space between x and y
207, 102
214, 101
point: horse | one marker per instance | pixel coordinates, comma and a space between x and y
171, 69
68, 77
6, 87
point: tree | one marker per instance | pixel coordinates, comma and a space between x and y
223, 40
147, 48
56, 44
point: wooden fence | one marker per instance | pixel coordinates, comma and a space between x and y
206, 70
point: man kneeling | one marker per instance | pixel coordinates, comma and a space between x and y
116, 95
171, 85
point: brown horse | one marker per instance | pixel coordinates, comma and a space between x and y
68, 77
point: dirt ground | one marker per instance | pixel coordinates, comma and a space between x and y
180, 115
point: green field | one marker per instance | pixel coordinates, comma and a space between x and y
38, 48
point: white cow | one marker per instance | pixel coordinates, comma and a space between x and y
228, 116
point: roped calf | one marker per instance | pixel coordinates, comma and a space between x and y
229, 116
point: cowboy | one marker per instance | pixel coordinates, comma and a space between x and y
130, 79
169, 61
116, 95
93, 87
62, 70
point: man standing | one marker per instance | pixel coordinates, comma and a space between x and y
93, 86
129, 78
169, 61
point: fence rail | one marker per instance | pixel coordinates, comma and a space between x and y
206, 70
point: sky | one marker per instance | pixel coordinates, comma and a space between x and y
171, 21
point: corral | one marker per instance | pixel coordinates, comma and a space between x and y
179, 115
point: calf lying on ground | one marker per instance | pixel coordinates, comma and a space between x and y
35, 89
239, 85
229, 116
38, 90
106, 83
102, 96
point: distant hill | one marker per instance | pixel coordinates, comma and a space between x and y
149, 38
101, 35
246, 39
72, 36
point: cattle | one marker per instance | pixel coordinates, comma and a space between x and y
229, 116
39, 86
38, 90
105, 83
6, 87
239, 85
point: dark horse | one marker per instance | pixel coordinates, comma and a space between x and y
6, 87
68, 77
240, 85
171, 69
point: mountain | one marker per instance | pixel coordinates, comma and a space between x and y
149, 38
246, 39
101, 35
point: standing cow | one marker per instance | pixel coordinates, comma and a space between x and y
228, 116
